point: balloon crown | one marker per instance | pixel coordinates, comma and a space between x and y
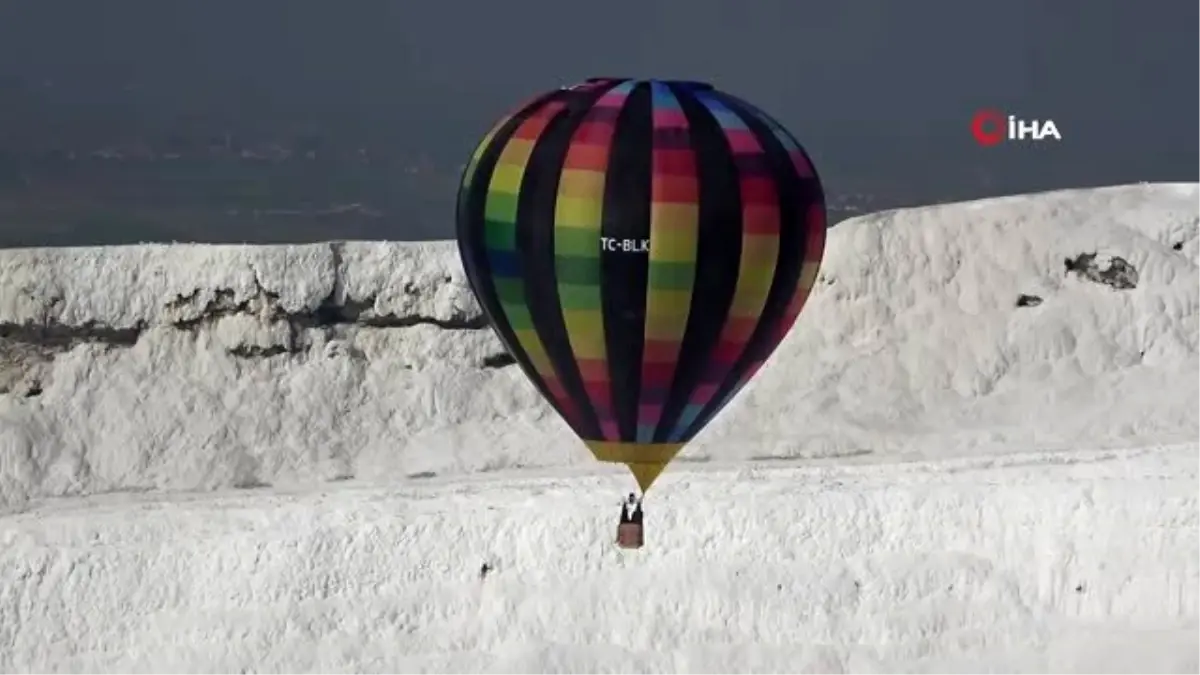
686, 84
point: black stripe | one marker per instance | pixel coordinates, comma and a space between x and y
795, 196
718, 254
626, 217
535, 245
472, 247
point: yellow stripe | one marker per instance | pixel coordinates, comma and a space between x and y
517, 151
580, 204
585, 329
469, 174
808, 274
625, 452
507, 178
581, 183
672, 244
535, 351
666, 312
674, 215
578, 212
673, 239
760, 254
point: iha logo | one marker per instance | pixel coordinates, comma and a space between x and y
992, 127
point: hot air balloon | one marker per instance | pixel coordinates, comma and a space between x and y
640, 247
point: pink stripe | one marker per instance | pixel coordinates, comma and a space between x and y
613, 99
703, 393
670, 119
791, 314
815, 222
803, 167
649, 413
609, 429
569, 410
742, 140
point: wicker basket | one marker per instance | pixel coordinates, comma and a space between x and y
630, 535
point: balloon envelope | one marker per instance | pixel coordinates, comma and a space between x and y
640, 247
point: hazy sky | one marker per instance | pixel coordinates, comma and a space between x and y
872, 85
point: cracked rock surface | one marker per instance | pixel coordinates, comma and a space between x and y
171, 364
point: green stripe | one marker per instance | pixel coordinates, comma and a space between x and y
578, 296
501, 206
518, 315
576, 242
499, 235
509, 290
579, 271
674, 276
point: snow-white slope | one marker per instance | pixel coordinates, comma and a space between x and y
1079, 562
200, 367
362, 370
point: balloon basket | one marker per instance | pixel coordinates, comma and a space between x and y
631, 535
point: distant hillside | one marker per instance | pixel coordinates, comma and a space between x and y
953, 329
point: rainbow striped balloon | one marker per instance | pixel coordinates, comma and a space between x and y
640, 247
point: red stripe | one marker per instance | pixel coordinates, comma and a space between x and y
726, 352
593, 370
751, 372
760, 219
674, 162
660, 350
657, 373
791, 314
738, 329
593, 133
598, 392
757, 190
555, 387
587, 157
535, 124
667, 189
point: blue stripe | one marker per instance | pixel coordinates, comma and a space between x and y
724, 116
662, 97
504, 263
645, 433
690, 413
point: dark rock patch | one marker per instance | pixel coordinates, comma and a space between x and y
1115, 271
502, 360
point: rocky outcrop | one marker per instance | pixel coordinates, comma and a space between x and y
262, 302
1113, 271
